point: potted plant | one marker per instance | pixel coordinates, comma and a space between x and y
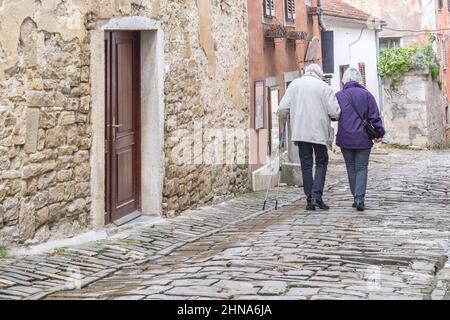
294, 35
275, 30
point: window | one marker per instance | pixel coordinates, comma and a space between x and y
448, 5
440, 4
444, 53
269, 8
289, 6
328, 51
389, 43
362, 70
447, 117
342, 70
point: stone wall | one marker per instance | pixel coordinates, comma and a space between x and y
45, 106
414, 112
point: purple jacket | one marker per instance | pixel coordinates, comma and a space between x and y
351, 133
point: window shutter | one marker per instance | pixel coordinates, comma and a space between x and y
290, 9
362, 70
328, 51
269, 8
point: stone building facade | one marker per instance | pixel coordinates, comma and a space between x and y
193, 77
284, 37
414, 114
443, 43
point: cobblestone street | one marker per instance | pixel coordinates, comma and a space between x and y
397, 249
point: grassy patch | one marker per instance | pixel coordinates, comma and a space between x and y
59, 251
101, 251
3, 253
72, 251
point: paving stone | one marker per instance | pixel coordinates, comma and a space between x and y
302, 291
388, 252
194, 282
29, 290
272, 287
193, 291
132, 297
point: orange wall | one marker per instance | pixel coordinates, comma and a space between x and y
443, 23
267, 61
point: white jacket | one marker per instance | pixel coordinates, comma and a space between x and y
311, 104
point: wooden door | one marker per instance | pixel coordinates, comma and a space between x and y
122, 126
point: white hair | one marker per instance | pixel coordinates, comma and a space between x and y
351, 74
314, 68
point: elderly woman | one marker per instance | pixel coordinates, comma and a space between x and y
357, 104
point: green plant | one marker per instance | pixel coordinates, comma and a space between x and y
3, 253
59, 251
435, 72
395, 62
101, 251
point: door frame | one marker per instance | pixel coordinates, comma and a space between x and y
110, 105
152, 113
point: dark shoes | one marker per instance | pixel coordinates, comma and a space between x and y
320, 204
310, 206
313, 204
359, 206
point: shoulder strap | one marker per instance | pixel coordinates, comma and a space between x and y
353, 106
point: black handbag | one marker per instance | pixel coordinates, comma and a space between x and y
368, 126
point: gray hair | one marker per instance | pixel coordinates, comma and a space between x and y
314, 68
351, 74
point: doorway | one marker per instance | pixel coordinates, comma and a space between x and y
122, 126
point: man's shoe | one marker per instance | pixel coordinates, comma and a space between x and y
310, 206
320, 204
360, 206
354, 205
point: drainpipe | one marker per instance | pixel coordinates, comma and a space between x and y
321, 22
380, 82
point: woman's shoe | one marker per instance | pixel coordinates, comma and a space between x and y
360, 206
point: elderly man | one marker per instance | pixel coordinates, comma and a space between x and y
312, 105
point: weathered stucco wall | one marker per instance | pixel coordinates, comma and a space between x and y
415, 112
45, 105
401, 15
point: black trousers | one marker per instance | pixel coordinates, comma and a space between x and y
313, 185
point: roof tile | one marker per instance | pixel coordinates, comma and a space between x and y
338, 8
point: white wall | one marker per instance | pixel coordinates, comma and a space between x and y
365, 51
